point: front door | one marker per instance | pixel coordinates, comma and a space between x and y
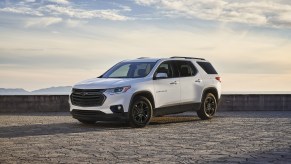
167, 89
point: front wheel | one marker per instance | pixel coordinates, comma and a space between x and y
208, 107
140, 112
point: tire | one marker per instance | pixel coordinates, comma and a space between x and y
140, 112
87, 122
208, 107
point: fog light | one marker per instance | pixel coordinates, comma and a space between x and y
117, 108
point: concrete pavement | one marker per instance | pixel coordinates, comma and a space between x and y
234, 137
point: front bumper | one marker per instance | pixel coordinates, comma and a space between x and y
103, 112
90, 115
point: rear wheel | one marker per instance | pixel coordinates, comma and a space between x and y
208, 107
87, 122
140, 112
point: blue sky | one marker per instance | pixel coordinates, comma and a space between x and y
59, 42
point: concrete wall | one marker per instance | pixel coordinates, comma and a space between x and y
255, 102
34, 103
54, 103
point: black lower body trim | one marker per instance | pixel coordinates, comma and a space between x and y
178, 108
91, 115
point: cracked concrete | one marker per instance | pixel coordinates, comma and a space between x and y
234, 137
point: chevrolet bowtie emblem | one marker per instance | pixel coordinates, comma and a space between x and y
84, 93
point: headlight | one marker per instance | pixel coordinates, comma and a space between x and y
117, 90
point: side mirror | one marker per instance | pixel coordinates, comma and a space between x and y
161, 76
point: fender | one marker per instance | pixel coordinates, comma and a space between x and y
144, 92
212, 90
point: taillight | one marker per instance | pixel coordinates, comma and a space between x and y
218, 78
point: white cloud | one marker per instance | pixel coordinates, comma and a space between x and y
42, 22
88, 14
125, 8
264, 12
64, 2
74, 23
55, 32
29, 1
68, 11
146, 2
281, 20
21, 10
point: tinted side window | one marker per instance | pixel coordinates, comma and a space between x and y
186, 68
207, 67
165, 68
169, 68
174, 69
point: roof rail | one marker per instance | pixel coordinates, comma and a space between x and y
187, 57
142, 57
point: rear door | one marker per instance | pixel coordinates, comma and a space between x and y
190, 81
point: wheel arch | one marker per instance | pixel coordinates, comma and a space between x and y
146, 94
210, 90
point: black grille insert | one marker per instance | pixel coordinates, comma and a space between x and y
87, 112
87, 97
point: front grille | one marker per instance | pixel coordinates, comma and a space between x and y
87, 112
87, 97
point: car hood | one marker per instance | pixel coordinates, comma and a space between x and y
103, 83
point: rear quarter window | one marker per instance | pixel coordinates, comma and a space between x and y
186, 68
207, 67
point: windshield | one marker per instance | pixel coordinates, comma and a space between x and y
129, 70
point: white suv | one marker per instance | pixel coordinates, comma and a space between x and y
136, 90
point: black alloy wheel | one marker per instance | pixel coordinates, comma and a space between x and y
208, 107
140, 112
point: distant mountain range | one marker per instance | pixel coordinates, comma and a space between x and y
61, 90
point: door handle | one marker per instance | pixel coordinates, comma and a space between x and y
198, 80
174, 82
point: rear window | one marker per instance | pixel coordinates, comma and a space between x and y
207, 67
